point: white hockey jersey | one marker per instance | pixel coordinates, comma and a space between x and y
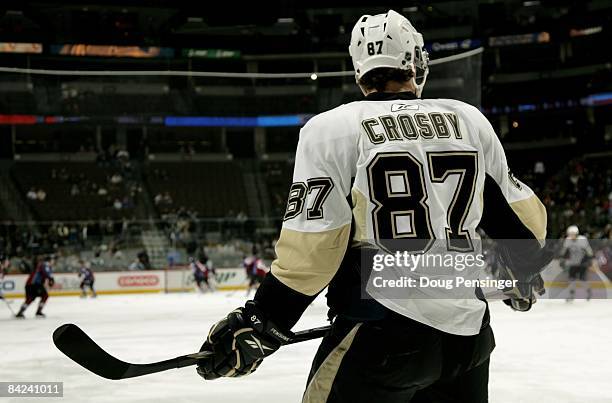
576, 250
410, 169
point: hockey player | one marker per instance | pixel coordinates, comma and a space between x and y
35, 286
201, 271
5, 263
88, 279
578, 257
389, 167
255, 270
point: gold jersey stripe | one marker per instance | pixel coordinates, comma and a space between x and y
532, 214
307, 261
360, 209
321, 383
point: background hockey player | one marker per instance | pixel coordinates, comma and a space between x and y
201, 272
256, 271
577, 258
386, 168
5, 263
88, 279
35, 286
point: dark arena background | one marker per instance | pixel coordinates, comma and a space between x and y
139, 139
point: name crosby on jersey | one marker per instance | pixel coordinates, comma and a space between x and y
410, 127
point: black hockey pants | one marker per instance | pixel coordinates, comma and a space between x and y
398, 360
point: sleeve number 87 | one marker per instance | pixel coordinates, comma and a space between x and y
297, 198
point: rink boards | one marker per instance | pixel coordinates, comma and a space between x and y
181, 279
129, 282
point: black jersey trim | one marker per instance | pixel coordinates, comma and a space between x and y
282, 304
389, 96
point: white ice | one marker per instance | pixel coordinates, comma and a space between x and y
558, 352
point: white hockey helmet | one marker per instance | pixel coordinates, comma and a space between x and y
572, 230
389, 40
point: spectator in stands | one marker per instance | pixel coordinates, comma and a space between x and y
74, 190
117, 205
241, 217
115, 252
607, 232
63, 175
123, 155
32, 195
135, 189
102, 157
24, 265
160, 174
116, 179
84, 231
127, 203
41, 195
136, 265
143, 258
102, 191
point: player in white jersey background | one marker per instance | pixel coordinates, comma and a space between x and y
577, 258
391, 168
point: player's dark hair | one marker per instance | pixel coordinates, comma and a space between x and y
377, 79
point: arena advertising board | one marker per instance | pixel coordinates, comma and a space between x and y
127, 282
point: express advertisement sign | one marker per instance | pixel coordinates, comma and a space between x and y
13, 285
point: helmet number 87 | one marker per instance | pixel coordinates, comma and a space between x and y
375, 48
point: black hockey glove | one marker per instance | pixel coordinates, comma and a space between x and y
525, 273
240, 342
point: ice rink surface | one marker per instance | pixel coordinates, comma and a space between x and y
558, 352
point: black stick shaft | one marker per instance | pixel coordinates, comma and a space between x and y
79, 347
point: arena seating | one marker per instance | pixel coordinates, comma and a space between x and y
57, 180
212, 189
278, 176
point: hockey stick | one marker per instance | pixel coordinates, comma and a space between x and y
79, 347
8, 305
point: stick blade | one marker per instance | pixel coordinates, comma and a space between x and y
80, 348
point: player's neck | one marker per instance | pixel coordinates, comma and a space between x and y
395, 86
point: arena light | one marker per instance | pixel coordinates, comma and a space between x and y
314, 76
604, 98
237, 121
585, 31
210, 121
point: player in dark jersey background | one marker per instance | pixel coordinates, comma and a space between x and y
35, 286
5, 263
201, 270
87, 279
255, 271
